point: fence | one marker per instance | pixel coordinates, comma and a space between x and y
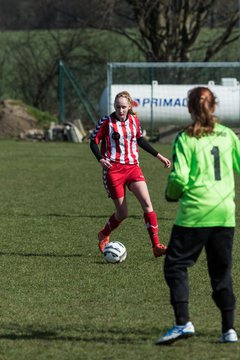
79, 95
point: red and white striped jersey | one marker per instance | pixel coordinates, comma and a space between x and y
118, 138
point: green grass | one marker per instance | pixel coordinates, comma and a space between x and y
59, 300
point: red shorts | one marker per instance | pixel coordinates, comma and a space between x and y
118, 177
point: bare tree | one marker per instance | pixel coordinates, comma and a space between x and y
33, 73
35, 59
168, 30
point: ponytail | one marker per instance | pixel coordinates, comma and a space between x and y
201, 105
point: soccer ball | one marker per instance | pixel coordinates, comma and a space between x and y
115, 252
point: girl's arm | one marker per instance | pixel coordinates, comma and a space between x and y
95, 149
144, 144
105, 163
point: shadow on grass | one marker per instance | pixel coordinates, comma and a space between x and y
82, 216
91, 334
40, 255
87, 334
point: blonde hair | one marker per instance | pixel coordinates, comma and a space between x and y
201, 105
126, 95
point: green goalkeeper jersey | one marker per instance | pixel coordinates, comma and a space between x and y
202, 178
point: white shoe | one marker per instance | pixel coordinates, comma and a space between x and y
175, 333
229, 337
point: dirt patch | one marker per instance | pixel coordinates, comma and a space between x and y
14, 119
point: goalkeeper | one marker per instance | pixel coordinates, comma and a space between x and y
205, 156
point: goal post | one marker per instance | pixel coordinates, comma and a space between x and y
160, 90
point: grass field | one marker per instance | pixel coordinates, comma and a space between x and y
59, 300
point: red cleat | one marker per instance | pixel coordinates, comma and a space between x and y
159, 250
103, 241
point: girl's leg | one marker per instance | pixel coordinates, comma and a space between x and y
140, 190
184, 248
113, 222
219, 258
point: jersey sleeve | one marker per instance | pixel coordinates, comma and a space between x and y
236, 153
179, 177
144, 144
100, 130
96, 152
98, 134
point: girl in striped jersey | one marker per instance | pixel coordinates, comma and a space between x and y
120, 135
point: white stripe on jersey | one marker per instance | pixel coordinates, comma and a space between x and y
129, 135
112, 142
134, 144
121, 142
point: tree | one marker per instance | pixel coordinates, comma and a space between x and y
35, 60
168, 30
34, 68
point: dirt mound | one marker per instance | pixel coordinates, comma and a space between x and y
14, 119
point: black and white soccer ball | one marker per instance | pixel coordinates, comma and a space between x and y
115, 252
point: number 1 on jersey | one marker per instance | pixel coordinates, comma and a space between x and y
216, 157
